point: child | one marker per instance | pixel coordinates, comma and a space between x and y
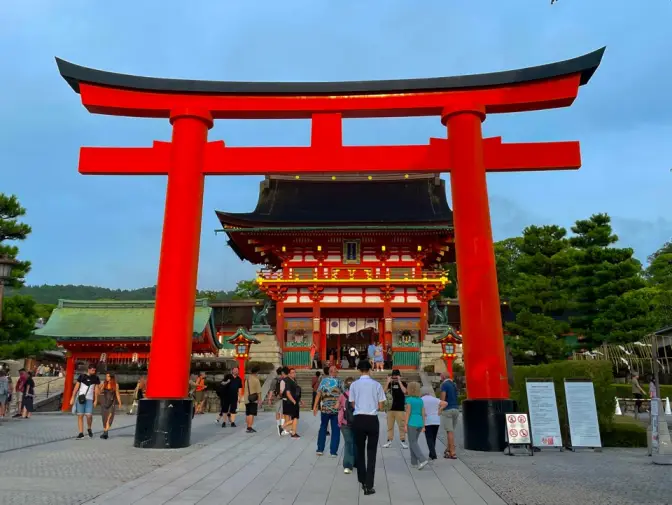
345, 417
415, 424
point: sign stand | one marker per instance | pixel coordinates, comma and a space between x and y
518, 433
584, 428
544, 419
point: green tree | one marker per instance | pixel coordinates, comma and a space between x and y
535, 266
11, 229
246, 290
659, 270
599, 277
507, 253
450, 271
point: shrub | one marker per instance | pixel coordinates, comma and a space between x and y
620, 434
599, 372
625, 390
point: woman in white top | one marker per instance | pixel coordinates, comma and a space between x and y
433, 407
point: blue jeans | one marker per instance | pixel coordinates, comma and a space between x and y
335, 433
348, 447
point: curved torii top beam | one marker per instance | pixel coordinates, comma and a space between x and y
532, 88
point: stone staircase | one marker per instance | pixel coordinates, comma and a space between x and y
304, 378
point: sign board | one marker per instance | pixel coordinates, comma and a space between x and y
655, 439
543, 414
518, 429
584, 429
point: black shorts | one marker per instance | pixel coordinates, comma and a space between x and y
290, 410
228, 406
251, 409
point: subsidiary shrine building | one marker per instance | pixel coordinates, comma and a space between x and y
348, 260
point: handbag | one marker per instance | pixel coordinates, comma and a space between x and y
251, 398
81, 398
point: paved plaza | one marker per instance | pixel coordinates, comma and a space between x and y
40, 463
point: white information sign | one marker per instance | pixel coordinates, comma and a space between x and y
584, 429
543, 414
518, 429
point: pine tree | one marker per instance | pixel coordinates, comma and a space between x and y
12, 230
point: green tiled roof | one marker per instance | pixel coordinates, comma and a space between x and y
74, 320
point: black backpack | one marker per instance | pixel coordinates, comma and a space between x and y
276, 389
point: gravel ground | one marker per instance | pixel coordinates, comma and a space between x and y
611, 477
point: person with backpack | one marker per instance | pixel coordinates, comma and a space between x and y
346, 416
138, 394
83, 398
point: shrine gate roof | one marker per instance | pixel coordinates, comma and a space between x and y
400, 201
79, 320
584, 65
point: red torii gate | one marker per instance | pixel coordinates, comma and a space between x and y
461, 102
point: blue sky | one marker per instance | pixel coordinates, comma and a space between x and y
106, 230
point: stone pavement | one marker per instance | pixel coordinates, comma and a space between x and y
266, 469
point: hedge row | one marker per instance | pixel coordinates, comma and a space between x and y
599, 372
625, 390
623, 435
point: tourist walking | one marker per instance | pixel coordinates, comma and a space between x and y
252, 398
4, 392
653, 390
397, 411
27, 405
315, 383
371, 353
415, 424
292, 404
345, 419
109, 398
18, 390
200, 393
637, 392
10, 386
367, 398
83, 397
328, 394
449, 415
232, 396
138, 393
222, 393
275, 395
433, 407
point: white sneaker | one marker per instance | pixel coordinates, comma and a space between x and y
387, 444
334, 455
319, 453
347, 471
404, 445
422, 465
285, 433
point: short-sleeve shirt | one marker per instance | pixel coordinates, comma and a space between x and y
330, 390
415, 420
431, 404
29, 387
398, 396
87, 385
450, 389
235, 385
366, 394
371, 350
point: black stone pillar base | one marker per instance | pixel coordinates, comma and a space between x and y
163, 424
484, 424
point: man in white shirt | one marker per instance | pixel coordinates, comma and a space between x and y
367, 398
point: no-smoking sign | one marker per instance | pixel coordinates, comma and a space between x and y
517, 429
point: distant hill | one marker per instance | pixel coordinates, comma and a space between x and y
51, 294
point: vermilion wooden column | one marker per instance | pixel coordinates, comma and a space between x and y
68, 385
164, 417
480, 316
170, 352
